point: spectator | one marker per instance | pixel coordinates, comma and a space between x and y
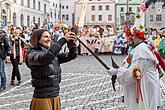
44, 61
4, 47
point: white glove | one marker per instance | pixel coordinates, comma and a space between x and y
112, 71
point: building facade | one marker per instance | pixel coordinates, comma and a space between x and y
126, 6
155, 17
99, 12
54, 11
67, 11
25, 12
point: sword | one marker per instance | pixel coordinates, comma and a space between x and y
113, 79
93, 54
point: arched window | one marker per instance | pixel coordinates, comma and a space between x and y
22, 20
14, 19
38, 21
28, 20
34, 19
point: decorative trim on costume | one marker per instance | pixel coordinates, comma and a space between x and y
137, 75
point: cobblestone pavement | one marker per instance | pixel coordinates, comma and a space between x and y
85, 86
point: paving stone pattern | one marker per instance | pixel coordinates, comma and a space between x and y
85, 86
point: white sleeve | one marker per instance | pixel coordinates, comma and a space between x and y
124, 75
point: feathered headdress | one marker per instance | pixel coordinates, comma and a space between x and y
137, 29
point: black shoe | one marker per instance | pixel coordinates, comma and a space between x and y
12, 82
19, 82
2, 89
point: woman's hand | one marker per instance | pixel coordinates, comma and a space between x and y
70, 37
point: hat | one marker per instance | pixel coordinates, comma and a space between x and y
137, 29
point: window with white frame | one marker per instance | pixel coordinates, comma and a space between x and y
67, 17
100, 17
109, 17
121, 9
151, 17
107, 7
93, 17
100, 8
158, 17
93, 8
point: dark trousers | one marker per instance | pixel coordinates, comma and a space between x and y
15, 72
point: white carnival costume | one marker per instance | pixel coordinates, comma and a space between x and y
142, 58
140, 79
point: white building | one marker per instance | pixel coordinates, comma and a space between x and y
155, 17
67, 11
99, 12
25, 12
54, 11
131, 7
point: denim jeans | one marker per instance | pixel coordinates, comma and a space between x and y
2, 72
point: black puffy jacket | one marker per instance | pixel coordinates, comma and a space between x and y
45, 68
4, 47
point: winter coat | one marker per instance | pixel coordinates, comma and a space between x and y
45, 68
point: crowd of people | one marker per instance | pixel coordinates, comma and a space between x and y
43, 49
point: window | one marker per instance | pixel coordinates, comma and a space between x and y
28, 3
39, 6
151, 17
22, 2
55, 16
14, 19
34, 19
107, 7
53, 5
63, 16
34, 4
93, 17
100, 8
62, 7
158, 17
138, 9
28, 20
109, 17
121, 9
44, 7
121, 19
130, 9
22, 20
38, 21
153, 6
67, 17
66, 7
51, 14
93, 8
15, 1
100, 17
